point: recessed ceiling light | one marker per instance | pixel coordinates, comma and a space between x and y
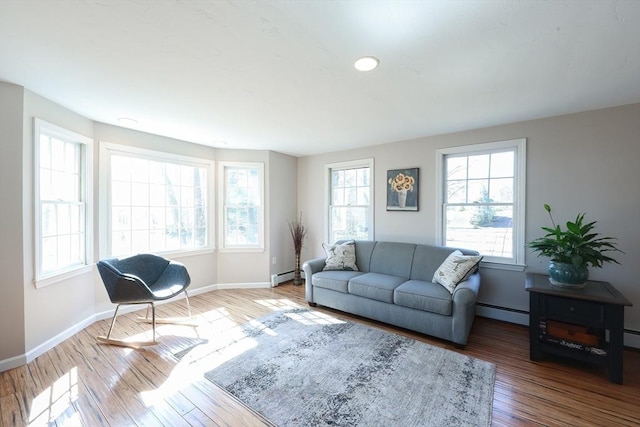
366, 63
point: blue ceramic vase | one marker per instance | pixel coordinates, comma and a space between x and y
567, 275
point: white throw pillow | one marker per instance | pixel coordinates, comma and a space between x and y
341, 256
456, 268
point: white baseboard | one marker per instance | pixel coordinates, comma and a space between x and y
503, 314
256, 285
23, 359
276, 279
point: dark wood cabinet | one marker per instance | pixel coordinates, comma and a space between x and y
585, 324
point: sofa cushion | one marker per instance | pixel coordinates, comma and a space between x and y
375, 286
455, 269
341, 256
392, 258
334, 280
425, 296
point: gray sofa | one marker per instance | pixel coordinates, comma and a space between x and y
394, 285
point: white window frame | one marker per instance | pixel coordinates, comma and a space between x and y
519, 197
351, 164
222, 191
106, 150
42, 278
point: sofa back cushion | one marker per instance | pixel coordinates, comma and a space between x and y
392, 258
364, 249
427, 259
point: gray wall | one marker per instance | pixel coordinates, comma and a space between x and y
587, 162
11, 222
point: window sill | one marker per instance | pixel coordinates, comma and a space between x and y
240, 250
59, 277
502, 266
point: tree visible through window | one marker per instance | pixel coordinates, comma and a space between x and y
483, 199
157, 205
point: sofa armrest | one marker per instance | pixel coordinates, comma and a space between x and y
464, 308
467, 292
310, 267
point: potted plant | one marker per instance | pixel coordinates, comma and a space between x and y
573, 250
298, 233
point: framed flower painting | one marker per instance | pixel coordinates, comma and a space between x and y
402, 189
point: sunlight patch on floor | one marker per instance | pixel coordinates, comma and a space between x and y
314, 318
200, 360
55, 399
278, 304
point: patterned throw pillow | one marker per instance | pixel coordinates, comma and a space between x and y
340, 256
456, 268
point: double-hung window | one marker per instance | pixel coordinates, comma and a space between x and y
62, 203
156, 202
242, 204
350, 200
482, 200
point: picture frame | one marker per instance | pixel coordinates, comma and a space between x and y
403, 188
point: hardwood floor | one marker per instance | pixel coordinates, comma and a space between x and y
81, 382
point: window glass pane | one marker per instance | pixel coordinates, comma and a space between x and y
120, 218
120, 168
362, 197
337, 179
120, 193
478, 166
49, 254
140, 194
139, 241
456, 167
156, 195
349, 223
64, 220
45, 152
49, 220
47, 191
457, 192
486, 229
139, 170
502, 164
139, 218
156, 173
502, 190
478, 191
57, 154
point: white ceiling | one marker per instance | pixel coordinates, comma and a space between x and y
279, 75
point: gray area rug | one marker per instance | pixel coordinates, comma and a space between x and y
307, 368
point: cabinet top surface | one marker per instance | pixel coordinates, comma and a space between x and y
593, 291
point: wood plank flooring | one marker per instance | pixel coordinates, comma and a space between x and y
81, 382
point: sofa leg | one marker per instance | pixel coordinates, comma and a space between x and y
312, 304
459, 346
